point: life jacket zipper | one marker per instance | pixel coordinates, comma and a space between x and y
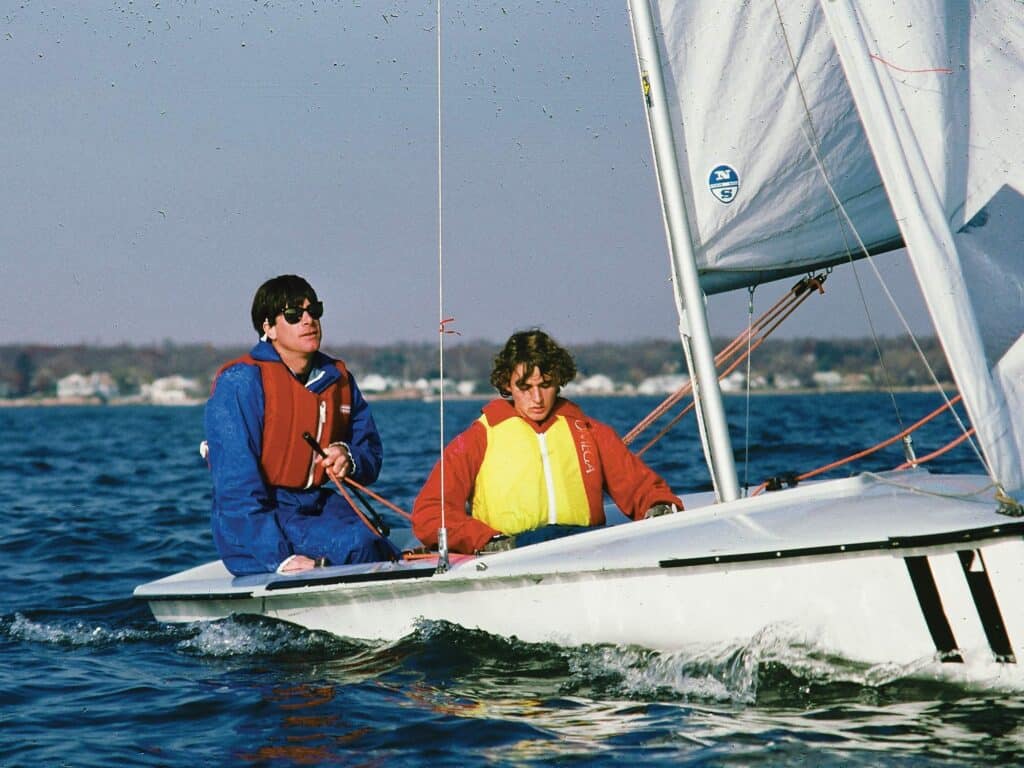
321, 420
549, 480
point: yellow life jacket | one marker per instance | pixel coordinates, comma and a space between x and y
529, 479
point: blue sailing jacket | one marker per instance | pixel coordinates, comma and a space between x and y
256, 526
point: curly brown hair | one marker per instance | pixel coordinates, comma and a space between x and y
533, 349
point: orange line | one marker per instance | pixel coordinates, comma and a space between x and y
782, 309
942, 70
899, 436
352, 503
379, 498
778, 312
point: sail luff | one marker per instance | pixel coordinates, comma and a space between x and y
930, 243
694, 332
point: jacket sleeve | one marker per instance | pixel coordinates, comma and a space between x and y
244, 524
633, 486
462, 459
366, 446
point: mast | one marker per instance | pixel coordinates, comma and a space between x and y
931, 246
693, 322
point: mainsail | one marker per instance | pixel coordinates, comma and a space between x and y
799, 128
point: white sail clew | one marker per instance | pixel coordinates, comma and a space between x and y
793, 121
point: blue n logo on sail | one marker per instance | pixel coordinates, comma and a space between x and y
724, 183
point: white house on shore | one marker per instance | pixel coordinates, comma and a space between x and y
172, 390
665, 384
78, 386
827, 379
785, 381
598, 384
375, 383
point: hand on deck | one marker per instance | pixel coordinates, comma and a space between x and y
296, 564
300, 563
499, 543
661, 509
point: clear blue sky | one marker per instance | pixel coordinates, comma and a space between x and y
162, 158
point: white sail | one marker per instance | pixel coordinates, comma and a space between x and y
771, 123
943, 154
993, 265
750, 133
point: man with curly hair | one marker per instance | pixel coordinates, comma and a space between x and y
533, 466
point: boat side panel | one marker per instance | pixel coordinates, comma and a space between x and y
864, 608
182, 611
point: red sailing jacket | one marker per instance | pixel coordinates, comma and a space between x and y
606, 464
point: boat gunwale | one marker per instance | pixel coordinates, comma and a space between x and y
900, 546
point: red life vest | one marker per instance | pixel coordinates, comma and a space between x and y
289, 410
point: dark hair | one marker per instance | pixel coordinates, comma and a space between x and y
532, 349
276, 294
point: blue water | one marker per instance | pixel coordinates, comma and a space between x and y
98, 500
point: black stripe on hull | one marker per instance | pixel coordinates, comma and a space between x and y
988, 608
961, 537
397, 574
931, 606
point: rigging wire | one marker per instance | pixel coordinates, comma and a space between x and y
910, 334
814, 144
935, 454
746, 428
775, 314
948, 405
442, 534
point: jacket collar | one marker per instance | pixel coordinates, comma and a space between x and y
322, 373
500, 410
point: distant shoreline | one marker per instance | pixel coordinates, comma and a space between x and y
49, 402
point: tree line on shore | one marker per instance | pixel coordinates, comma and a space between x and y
28, 370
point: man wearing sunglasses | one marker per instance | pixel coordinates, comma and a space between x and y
273, 509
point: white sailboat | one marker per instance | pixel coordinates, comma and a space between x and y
788, 136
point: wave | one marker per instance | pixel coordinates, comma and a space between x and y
775, 668
788, 701
73, 633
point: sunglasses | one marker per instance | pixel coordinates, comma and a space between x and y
292, 315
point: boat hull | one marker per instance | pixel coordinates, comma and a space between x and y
943, 583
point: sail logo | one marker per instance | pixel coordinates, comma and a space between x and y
724, 183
